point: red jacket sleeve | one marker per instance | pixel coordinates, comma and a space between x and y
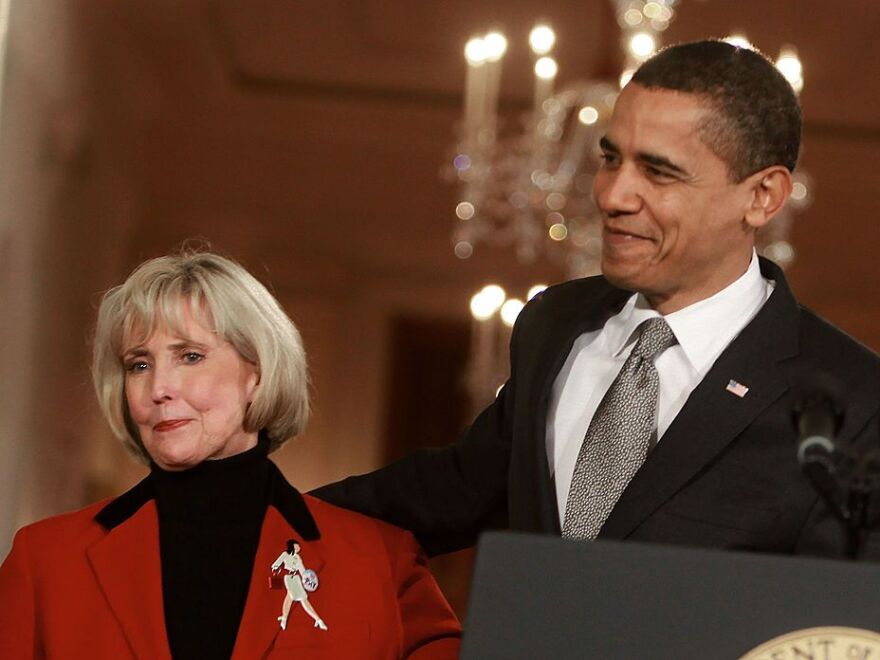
17, 608
431, 630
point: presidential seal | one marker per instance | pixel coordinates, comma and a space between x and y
823, 643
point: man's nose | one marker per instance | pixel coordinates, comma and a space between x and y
618, 191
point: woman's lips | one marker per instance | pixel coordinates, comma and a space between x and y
170, 425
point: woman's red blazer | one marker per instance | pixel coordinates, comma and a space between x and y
88, 585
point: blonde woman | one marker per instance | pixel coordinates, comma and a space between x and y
201, 374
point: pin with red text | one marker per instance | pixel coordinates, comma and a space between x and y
299, 582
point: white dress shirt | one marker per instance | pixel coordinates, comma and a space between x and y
703, 330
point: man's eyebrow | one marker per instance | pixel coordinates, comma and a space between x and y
660, 161
655, 160
607, 145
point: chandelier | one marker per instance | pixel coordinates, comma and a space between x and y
526, 185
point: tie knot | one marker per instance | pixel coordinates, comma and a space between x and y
655, 338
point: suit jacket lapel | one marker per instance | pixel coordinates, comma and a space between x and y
712, 417
127, 567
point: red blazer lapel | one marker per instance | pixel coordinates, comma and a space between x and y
259, 623
127, 567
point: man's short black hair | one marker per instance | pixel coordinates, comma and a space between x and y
755, 120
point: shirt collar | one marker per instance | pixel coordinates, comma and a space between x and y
702, 329
618, 331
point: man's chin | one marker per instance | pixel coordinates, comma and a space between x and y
620, 276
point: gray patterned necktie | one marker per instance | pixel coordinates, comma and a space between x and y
618, 437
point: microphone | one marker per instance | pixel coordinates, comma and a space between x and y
818, 415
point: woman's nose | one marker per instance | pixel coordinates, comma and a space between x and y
163, 386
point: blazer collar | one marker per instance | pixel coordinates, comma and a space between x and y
284, 497
127, 567
712, 416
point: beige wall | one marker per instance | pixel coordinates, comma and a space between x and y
36, 86
64, 206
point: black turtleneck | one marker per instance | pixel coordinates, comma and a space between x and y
209, 528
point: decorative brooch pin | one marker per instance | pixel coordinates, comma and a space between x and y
299, 582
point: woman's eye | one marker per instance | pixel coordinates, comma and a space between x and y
136, 367
191, 357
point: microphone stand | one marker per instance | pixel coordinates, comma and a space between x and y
845, 477
862, 480
847, 488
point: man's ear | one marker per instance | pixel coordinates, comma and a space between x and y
769, 190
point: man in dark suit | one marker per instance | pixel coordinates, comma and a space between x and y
697, 158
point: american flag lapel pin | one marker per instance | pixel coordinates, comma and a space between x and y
736, 388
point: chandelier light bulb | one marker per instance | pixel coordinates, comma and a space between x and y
652, 10
642, 45
463, 250
558, 232
496, 46
494, 295
535, 290
780, 251
510, 310
739, 40
542, 39
633, 17
546, 68
555, 201
464, 210
475, 51
588, 115
480, 307
798, 191
461, 162
486, 302
625, 77
789, 65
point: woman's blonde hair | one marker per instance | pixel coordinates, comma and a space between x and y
231, 302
